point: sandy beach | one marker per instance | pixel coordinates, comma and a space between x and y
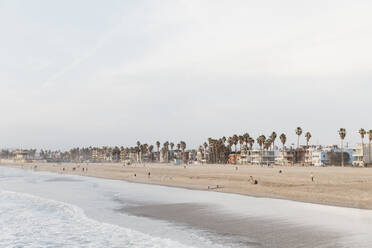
348, 187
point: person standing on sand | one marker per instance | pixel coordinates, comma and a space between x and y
312, 177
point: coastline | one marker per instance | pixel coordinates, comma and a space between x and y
343, 187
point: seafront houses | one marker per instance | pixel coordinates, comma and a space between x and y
22, 156
262, 157
330, 155
362, 155
291, 156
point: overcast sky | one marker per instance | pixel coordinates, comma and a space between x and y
81, 73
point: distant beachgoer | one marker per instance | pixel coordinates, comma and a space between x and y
312, 177
149, 174
280, 171
135, 174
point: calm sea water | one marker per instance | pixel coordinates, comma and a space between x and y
39, 209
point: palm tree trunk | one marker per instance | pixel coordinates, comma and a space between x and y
362, 151
369, 152
283, 154
342, 153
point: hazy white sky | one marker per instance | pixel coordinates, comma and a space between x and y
80, 73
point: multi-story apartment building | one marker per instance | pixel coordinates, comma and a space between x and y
362, 155
262, 157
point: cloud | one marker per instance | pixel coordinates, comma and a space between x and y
193, 69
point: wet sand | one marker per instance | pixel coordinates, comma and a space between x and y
348, 187
235, 229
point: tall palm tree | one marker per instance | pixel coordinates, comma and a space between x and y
342, 133
308, 137
235, 140
369, 145
267, 146
139, 151
230, 141
273, 138
246, 137
241, 141
151, 147
250, 142
172, 146
283, 139
362, 133
268, 143
298, 132
166, 149
183, 147
261, 141
205, 151
158, 147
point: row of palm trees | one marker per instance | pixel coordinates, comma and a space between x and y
219, 150
362, 132
142, 149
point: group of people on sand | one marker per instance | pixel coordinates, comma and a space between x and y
84, 169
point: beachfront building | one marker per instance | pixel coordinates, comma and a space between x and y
309, 156
286, 157
262, 157
362, 155
319, 157
235, 158
330, 155
21, 156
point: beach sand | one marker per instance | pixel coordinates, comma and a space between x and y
347, 187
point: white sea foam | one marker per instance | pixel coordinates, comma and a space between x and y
30, 221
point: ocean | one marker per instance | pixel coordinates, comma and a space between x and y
41, 209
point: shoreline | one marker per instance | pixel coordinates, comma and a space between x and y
333, 186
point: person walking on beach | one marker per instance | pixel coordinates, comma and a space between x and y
312, 177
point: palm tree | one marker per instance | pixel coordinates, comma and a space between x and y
246, 138
267, 145
151, 147
183, 147
235, 140
172, 146
261, 141
158, 147
273, 138
283, 139
362, 133
342, 133
138, 151
369, 145
166, 149
250, 142
308, 137
205, 151
298, 132
241, 141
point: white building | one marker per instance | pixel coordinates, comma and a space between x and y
262, 157
319, 158
362, 155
